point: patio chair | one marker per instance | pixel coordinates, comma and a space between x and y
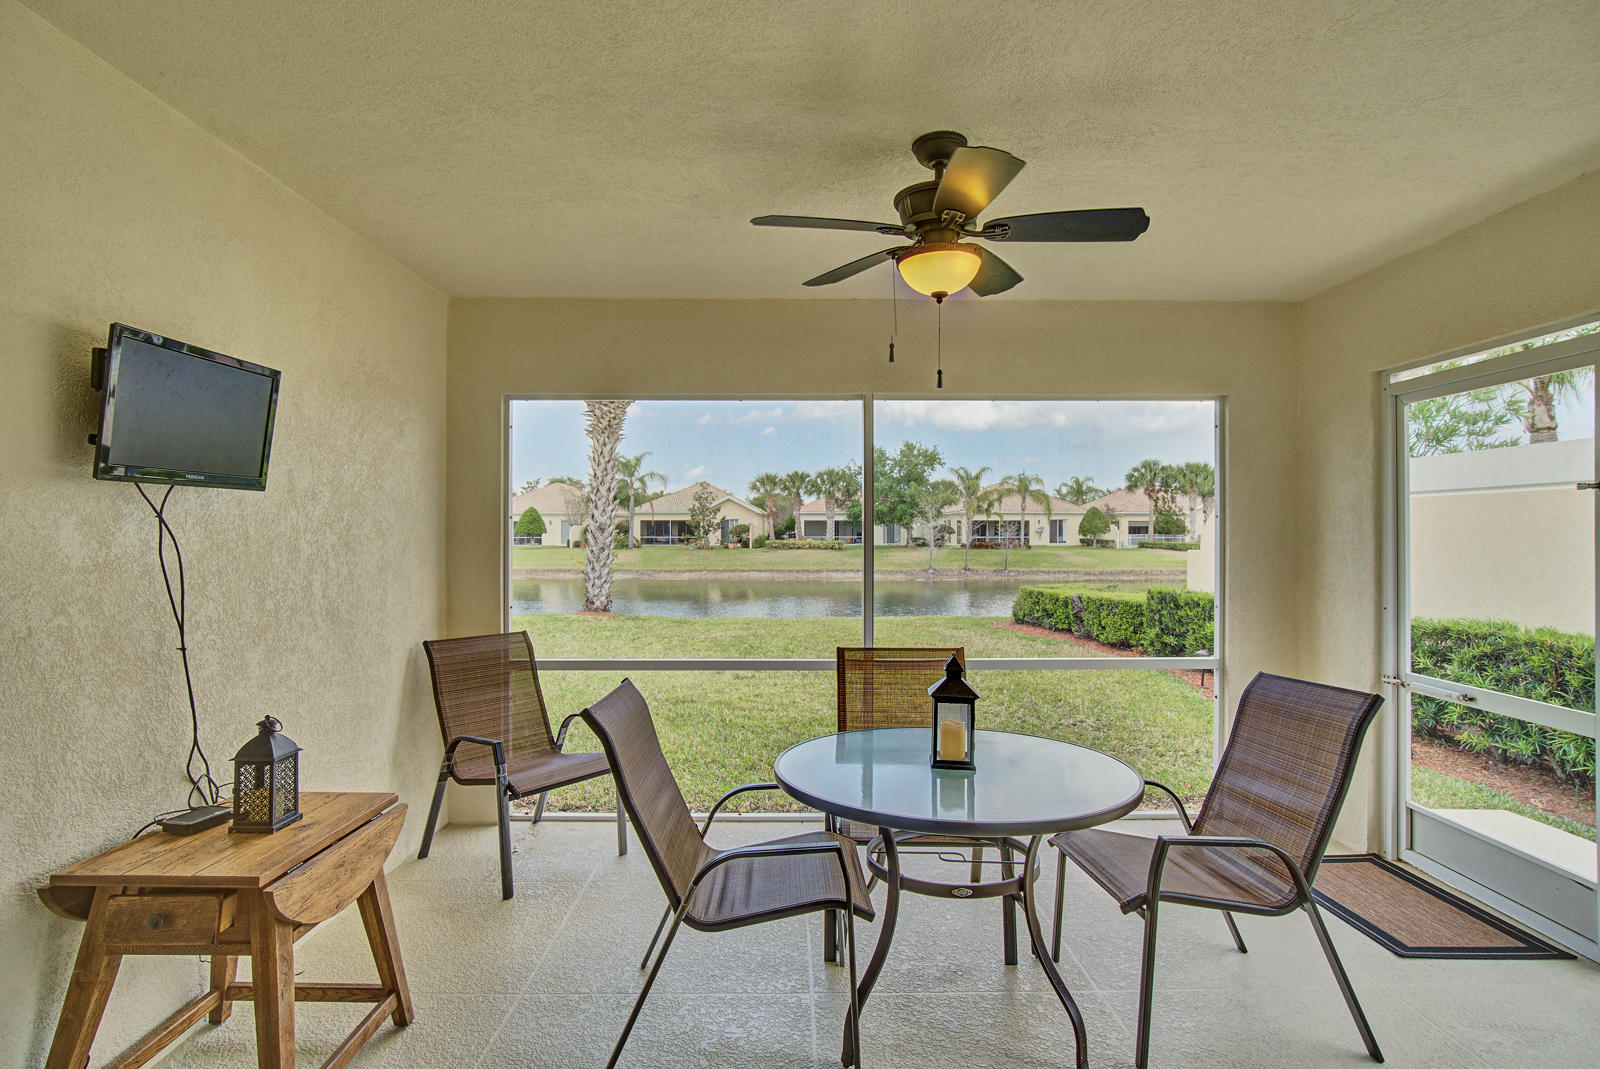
1260, 834
492, 717
887, 687
716, 890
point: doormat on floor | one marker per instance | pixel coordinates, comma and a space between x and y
1417, 919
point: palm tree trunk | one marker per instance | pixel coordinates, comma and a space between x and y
1542, 412
605, 419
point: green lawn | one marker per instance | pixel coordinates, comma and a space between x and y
1438, 791
720, 729
885, 559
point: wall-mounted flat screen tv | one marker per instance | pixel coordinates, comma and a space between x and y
177, 413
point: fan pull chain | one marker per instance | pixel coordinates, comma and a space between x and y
894, 303
939, 343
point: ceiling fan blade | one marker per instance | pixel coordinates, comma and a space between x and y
995, 276
973, 178
854, 267
1095, 224
811, 222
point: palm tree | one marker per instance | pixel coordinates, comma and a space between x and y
605, 420
796, 485
633, 485
973, 499
764, 491
1537, 410
835, 486
1199, 479
1146, 477
1028, 488
1078, 490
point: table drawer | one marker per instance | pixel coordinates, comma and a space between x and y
155, 921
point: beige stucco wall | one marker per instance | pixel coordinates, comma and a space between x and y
1530, 265
787, 348
306, 601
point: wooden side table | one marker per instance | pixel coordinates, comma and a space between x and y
229, 895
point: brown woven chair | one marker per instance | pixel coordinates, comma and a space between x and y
1261, 832
887, 687
492, 717
716, 890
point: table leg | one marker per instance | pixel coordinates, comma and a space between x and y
378, 918
1041, 950
1008, 915
891, 908
272, 978
223, 969
92, 976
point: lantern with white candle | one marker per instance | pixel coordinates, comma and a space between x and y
954, 703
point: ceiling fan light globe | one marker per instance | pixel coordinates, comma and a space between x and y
940, 267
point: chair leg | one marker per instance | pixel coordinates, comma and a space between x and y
855, 1002
830, 935
538, 810
622, 828
433, 810
505, 836
660, 924
649, 980
1061, 893
1345, 989
1147, 978
1233, 930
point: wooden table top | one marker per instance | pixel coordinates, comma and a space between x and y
218, 857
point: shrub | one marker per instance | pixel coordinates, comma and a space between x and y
741, 534
1043, 607
1099, 543
760, 540
1146, 544
1115, 618
1168, 522
1542, 664
1179, 623
806, 543
1094, 525
530, 523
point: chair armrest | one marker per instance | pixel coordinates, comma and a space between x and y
561, 735
736, 791
1165, 843
496, 745
1176, 801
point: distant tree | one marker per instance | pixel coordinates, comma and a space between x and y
940, 495
838, 487
766, 489
795, 485
633, 486
1094, 525
1199, 479
530, 524
1458, 423
1029, 488
1145, 477
1533, 401
567, 479
605, 420
1078, 490
973, 499
1168, 521
531, 484
704, 514
900, 481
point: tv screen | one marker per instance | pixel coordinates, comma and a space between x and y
177, 413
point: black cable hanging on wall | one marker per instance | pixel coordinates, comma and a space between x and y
203, 789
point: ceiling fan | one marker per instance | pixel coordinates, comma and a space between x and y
936, 216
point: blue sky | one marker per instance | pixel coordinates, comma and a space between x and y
729, 442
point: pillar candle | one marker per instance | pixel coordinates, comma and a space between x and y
952, 740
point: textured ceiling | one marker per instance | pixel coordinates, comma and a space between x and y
582, 148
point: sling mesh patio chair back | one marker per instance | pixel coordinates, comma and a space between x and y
1261, 831
496, 732
716, 890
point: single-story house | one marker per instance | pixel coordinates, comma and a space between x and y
1006, 518
664, 521
1133, 521
561, 507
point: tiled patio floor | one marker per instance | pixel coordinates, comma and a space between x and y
547, 978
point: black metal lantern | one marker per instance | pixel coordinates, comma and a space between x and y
954, 722
266, 781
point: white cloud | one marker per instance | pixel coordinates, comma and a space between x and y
696, 473
703, 420
768, 430
832, 411
1084, 420
756, 415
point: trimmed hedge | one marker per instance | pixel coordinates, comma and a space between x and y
1542, 664
1144, 543
805, 543
1165, 622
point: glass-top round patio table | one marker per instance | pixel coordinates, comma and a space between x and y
1023, 786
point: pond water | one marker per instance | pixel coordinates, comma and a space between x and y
795, 597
